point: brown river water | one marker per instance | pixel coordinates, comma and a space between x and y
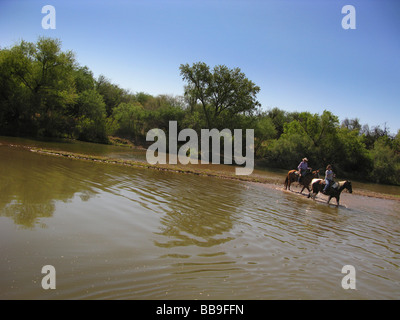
118, 232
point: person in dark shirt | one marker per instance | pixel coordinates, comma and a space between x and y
302, 167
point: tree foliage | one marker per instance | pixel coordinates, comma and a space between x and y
221, 92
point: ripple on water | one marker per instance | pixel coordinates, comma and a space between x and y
114, 232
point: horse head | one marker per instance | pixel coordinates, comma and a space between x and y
348, 186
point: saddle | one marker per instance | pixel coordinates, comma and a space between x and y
334, 185
297, 173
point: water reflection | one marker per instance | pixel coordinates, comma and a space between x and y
28, 215
30, 185
198, 216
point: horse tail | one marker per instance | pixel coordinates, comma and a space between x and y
286, 182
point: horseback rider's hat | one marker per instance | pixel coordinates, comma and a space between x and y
305, 159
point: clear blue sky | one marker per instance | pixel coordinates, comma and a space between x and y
295, 50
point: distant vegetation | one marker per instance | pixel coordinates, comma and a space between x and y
44, 92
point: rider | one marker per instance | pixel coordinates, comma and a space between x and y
302, 167
329, 175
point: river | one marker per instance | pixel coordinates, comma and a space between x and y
119, 232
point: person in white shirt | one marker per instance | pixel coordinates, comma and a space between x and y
329, 175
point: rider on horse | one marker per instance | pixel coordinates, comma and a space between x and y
329, 175
302, 167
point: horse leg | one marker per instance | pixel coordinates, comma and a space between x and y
290, 182
329, 199
314, 195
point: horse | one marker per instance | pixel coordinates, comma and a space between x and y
305, 180
333, 191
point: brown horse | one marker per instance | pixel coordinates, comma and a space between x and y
333, 191
305, 181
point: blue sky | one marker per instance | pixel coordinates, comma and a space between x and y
295, 50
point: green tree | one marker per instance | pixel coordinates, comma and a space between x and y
396, 143
194, 118
352, 124
278, 118
310, 135
353, 156
131, 118
15, 105
112, 94
84, 79
223, 91
91, 124
371, 135
386, 161
264, 130
43, 78
290, 148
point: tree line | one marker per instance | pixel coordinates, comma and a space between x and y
44, 92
